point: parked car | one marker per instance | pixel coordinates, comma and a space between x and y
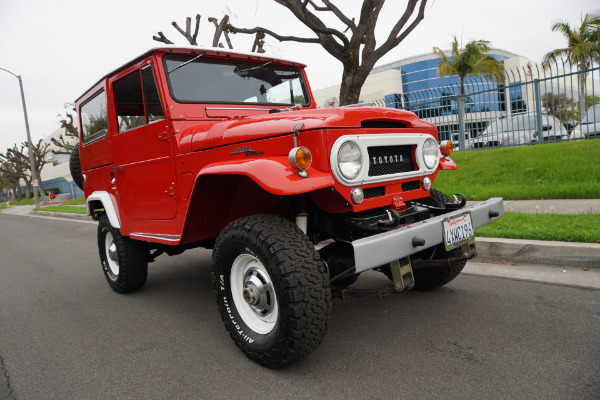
589, 127
519, 130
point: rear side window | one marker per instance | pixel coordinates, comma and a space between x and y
94, 118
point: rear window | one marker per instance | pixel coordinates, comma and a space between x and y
94, 118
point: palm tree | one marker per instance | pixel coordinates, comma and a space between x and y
471, 60
583, 46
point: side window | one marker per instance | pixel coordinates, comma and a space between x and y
129, 102
154, 111
94, 119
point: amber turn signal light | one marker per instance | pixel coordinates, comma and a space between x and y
446, 147
300, 158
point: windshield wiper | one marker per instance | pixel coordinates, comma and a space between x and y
237, 71
187, 62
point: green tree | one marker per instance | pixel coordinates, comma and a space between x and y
470, 60
583, 46
560, 106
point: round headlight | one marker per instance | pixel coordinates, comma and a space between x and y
349, 160
430, 153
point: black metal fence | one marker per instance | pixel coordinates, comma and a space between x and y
537, 103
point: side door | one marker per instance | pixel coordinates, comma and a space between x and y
143, 168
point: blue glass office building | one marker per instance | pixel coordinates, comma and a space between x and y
428, 95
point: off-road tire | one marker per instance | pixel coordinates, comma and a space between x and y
436, 198
75, 167
289, 263
429, 278
131, 269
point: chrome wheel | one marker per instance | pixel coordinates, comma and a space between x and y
111, 254
253, 294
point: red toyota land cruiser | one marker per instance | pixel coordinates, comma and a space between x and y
191, 147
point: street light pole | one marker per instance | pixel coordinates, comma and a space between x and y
34, 177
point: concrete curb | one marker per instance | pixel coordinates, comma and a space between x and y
563, 254
516, 251
61, 215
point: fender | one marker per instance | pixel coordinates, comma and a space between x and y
447, 163
109, 202
272, 174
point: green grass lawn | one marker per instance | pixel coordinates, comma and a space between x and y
62, 208
559, 227
77, 202
27, 202
567, 170
71, 207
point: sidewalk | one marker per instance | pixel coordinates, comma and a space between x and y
512, 251
561, 206
28, 211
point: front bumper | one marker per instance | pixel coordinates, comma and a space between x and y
377, 250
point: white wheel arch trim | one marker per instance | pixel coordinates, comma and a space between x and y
109, 202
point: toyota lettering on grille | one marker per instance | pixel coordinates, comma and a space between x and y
387, 159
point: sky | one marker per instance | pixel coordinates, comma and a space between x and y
61, 48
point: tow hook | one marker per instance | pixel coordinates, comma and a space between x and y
398, 206
393, 219
456, 204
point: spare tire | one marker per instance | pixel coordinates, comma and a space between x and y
75, 167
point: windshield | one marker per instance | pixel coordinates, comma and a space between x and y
592, 116
205, 80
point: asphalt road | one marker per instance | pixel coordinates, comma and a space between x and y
65, 335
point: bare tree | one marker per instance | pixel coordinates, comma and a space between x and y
14, 165
40, 156
358, 53
190, 37
10, 180
221, 28
67, 141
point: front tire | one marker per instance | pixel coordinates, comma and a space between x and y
272, 289
124, 260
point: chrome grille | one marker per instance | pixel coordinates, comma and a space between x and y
385, 160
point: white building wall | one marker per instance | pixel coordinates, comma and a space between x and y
376, 87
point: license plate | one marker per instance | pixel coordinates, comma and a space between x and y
458, 230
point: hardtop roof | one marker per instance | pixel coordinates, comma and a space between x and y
189, 50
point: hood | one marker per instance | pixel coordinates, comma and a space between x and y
207, 135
